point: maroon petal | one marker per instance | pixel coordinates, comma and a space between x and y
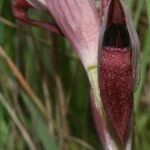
118, 66
20, 8
116, 87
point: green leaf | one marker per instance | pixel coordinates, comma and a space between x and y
138, 11
148, 9
40, 126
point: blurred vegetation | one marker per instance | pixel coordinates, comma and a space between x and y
44, 91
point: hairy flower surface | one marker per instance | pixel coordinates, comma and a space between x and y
118, 66
77, 20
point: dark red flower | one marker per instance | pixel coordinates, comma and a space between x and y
118, 66
117, 61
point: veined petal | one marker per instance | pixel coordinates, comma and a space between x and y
79, 22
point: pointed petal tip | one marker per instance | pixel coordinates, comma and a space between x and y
116, 12
122, 130
122, 134
117, 86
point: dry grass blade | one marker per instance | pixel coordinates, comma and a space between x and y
63, 109
7, 22
24, 84
15, 119
15, 26
48, 106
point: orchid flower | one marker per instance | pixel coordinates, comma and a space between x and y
108, 47
72, 19
119, 68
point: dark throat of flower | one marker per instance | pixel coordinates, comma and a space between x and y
116, 34
115, 78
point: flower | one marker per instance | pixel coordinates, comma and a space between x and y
72, 18
119, 70
79, 22
117, 59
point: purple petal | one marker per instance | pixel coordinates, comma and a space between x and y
79, 22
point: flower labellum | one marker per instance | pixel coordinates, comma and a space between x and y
118, 60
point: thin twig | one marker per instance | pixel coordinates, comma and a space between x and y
39, 39
15, 26
63, 113
8, 23
17, 122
